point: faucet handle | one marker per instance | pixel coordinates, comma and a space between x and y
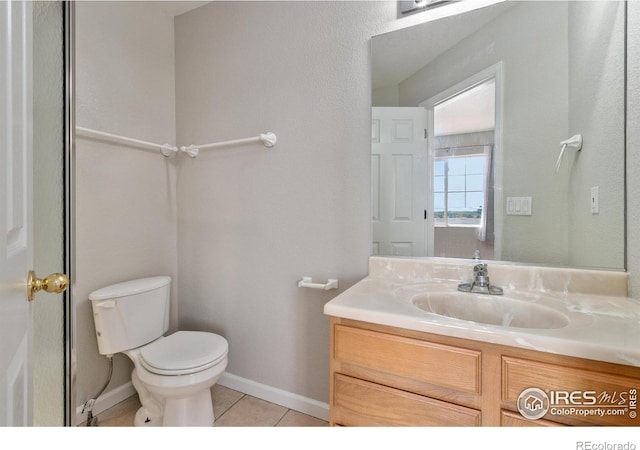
480, 270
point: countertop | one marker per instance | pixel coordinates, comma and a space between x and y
603, 322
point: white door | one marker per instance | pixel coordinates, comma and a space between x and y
400, 181
16, 252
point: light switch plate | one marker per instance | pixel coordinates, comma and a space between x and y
519, 206
595, 200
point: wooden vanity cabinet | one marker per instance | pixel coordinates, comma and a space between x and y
387, 379
386, 376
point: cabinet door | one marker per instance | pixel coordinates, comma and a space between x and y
576, 396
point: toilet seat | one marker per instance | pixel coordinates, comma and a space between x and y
183, 353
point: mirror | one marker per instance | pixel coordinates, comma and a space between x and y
476, 124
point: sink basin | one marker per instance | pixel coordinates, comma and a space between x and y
497, 310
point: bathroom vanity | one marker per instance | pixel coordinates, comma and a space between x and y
400, 357
560, 346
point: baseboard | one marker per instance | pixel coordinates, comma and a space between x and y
106, 401
280, 397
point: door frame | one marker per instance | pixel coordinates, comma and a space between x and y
494, 71
69, 213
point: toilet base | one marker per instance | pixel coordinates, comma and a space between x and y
145, 419
179, 401
194, 411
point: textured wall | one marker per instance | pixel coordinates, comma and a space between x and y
125, 197
596, 66
633, 146
251, 221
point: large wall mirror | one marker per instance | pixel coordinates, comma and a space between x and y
500, 132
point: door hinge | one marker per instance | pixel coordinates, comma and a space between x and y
426, 134
425, 214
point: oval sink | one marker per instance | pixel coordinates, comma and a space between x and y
490, 309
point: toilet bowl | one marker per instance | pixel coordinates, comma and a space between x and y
172, 374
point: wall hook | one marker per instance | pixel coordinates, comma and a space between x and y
574, 142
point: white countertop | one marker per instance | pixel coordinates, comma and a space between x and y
603, 323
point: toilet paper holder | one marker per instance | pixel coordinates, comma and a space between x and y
307, 282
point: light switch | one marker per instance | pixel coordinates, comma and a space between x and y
519, 206
595, 200
526, 206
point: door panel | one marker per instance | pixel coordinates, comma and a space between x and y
16, 251
400, 181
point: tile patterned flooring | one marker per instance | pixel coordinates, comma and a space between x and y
230, 408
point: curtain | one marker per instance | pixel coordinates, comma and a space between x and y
485, 232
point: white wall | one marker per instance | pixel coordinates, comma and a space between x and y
386, 96
633, 146
125, 197
251, 221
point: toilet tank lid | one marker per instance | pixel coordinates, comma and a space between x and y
131, 287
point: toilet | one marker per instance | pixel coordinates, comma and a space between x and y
172, 374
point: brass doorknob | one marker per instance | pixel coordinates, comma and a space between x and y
54, 283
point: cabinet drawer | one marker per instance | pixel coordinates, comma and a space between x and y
361, 403
511, 419
409, 358
576, 395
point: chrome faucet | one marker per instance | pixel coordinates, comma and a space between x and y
481, 283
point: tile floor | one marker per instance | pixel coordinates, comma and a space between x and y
230, 408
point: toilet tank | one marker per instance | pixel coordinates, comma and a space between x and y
130, 314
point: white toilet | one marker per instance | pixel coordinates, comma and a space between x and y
173, 374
